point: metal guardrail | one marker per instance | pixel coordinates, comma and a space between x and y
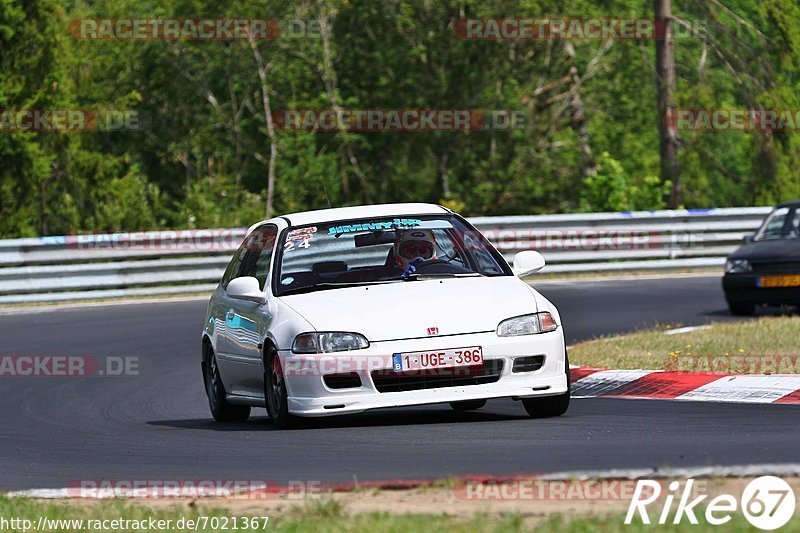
173, 262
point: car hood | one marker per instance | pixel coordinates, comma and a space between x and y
406, 310
774, 250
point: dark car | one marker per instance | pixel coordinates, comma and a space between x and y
766, 269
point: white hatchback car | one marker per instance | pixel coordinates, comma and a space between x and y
344, 310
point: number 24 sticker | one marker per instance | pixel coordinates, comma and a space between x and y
290, 245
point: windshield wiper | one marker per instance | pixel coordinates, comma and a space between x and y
334, 285
417, 276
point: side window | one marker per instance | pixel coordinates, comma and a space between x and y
794, 231
446, 248
775, 224
260, 247
234, 266
484, 260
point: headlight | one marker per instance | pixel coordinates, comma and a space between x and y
329, 341
733, 266
527, 325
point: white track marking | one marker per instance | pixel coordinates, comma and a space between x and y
605, 381
745, 389
687, 329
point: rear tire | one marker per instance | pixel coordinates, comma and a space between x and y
221, 410
467, 405
275, 394
550, 406
742, 308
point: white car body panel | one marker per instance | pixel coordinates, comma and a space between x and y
394, 317
309, 396
407, 310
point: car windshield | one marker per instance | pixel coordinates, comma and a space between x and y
382, 250
782, 223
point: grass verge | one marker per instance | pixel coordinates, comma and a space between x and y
320, 516
768, 345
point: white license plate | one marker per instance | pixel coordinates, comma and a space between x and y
454, 357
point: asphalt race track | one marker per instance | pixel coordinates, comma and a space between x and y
156, 426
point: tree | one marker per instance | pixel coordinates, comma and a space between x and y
665, 81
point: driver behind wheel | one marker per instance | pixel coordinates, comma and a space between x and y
414, 246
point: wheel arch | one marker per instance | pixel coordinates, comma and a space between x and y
207, 346
207, 349
269, 343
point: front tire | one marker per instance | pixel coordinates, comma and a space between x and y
467, 405
550, 406
275, 394
221, 410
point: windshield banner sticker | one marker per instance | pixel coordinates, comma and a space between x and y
397, 223
299, 238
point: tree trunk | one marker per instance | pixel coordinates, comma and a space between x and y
665, 85
328, 73
43, 227
578, 120
765, 178
273, 141
444, 177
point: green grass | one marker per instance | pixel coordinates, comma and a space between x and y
324, 516
328, 516
747, 347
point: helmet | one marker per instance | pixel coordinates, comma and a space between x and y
414, 245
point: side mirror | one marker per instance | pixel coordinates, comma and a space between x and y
527, 262
245, 288
748, 239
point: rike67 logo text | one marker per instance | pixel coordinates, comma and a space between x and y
767, 502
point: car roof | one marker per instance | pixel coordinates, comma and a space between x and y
363, 211
790, 203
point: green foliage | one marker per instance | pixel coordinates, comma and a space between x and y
216, 203
201, 156
612, 189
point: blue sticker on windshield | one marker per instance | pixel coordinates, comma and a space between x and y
287, 281
397, 223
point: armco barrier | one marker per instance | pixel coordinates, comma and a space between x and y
172, 262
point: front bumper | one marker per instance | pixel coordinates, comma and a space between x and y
744, 288
310, 396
